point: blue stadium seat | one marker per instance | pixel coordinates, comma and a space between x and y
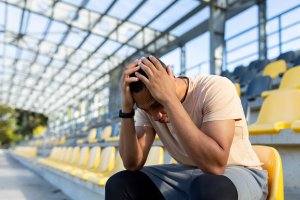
287, 56
257, 86
246, 77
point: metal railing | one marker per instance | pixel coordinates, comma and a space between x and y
278, 31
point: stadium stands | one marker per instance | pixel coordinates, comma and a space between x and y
274, 69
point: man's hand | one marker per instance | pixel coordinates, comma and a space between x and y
160, 83
127, 100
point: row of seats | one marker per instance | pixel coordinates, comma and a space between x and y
26, 151
95, 165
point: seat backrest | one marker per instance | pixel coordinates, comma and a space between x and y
118, 164
116, 130
281, 106
106, 132
275, 68
297, 61
68, 155
272, 163
107, 159
53, 151
247, 77
287, 56
75, 155
94, 158
291, 78
63, 153
258, 85
83, 156
155, 156
92, 135
238, 88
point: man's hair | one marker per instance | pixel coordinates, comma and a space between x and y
139, 85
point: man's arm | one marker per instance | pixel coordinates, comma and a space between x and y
209, 147
135, 142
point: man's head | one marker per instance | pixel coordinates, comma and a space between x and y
145, 101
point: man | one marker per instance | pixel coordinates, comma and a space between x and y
200, 122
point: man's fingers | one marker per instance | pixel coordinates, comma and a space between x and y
170, 72
148, 63
156, 63
146, 69
131, 79
132, 64
142, 78
129, 71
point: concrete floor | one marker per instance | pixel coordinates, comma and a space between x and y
19, 183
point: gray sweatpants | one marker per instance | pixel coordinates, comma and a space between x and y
174, 180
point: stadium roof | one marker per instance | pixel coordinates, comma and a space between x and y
54, 53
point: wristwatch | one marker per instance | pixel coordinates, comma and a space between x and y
126, 115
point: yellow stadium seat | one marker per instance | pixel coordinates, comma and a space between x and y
106, 164
78, 160
155, 156
290, 80
173, 161
92, 136
238, 88
278, 112
93, 162
64, 158
112, 139
296, 126
106, 133
275, 68
272, 163
101, 178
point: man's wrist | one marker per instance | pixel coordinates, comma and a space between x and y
126, 109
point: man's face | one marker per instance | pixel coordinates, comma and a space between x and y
146, 102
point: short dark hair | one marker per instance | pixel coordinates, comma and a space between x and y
139, 85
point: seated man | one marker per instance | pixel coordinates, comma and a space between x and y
200, 122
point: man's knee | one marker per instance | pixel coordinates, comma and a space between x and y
212, 187
118, 180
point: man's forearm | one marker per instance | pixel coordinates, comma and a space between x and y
129, 147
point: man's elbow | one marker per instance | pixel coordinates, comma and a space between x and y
216, 169
132, 166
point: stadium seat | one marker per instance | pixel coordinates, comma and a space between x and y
246, 78
101, 178
238, 71
91, 138
238, 88
287, 56
297, 61
272, 163
244, 102
106, 133
93, 162
73, 161
155, 157
81, 161
296, 126
278, 112
257, 86
291, 79
275, 68
106, 164
258, 65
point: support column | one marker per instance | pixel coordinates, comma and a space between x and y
182, 60
217, 29
262, 34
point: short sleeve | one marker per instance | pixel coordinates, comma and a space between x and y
141, 118
222, 101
